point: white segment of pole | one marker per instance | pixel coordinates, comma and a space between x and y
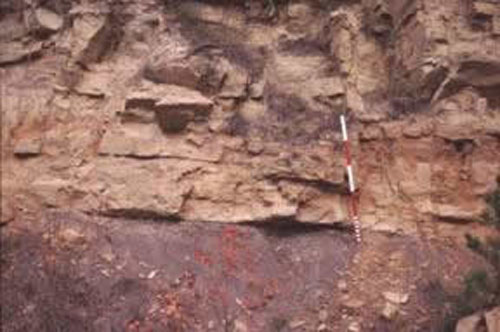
344, 128
350, 177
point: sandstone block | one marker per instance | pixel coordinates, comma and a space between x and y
173, 71
92, 35
172, 106
15, 52
47, 21
493, 319
469, 324
28, 148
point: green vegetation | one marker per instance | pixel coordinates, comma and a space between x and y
480, 290
493, 214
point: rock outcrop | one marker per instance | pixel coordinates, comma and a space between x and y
217, 112
488, 322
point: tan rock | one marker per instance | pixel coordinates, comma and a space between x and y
235, 196
240, 326
48, 21
457, 213
344, 26
352, 303
484, 176
7, 212
420, 182
172, 106
28, 148
392, 130
150, 142
71, 237
322, 208
324, 87
342, 286
296, 324
235, 84
92, 35
293, 69
390, 311
95, 85
173, 71
493, 320
15, 52
419, 129
299, 10
496, 25
149, 192
469, 324
11, 28
49, 190
322, 328
486, 8
253, 111
355, 104
287, 164
396, 298
458, 125
255, 147
150, 95
370, 133
354, 327
256, 90
204, 12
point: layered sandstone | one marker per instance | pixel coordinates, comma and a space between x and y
210, 111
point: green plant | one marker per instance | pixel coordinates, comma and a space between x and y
479, 289
473, 242
278, 324
493, 213
480, 292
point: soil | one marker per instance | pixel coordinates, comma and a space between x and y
72, 272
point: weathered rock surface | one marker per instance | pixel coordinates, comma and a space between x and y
14, 52
488, 321
92, 34
28, 148
469, 324
214, 113
7, 212
493, 319
396, 298
47, 21
390, 311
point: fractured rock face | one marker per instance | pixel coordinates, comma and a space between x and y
479, 72
172, 106
249, 108
15, 52
172, 71
92, 35
149, 192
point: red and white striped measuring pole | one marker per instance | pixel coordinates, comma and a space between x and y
353, 209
